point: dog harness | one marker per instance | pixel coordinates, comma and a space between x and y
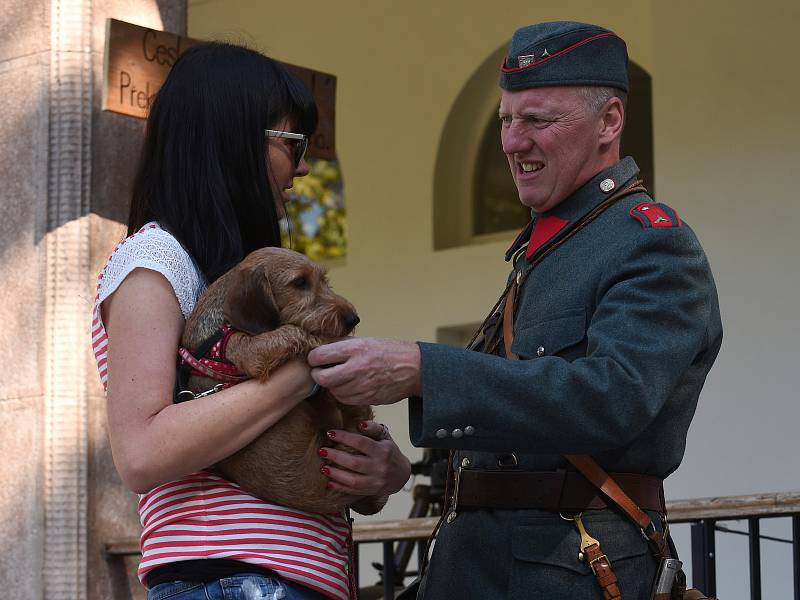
208, 360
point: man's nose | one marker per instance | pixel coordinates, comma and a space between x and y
515, 139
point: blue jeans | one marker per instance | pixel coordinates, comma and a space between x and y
238, 587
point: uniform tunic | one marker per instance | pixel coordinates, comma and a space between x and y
616, 331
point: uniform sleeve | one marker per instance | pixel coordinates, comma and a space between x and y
655, 313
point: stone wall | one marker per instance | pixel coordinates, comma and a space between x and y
65, 171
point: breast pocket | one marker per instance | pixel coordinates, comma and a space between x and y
560, 334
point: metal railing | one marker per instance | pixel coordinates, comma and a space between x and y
703, 515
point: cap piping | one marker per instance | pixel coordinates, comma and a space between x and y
506, 69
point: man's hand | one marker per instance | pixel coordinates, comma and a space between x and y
368, 370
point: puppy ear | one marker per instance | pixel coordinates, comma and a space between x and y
250, 304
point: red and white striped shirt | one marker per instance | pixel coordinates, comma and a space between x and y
203, 515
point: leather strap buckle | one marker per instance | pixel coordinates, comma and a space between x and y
597, 558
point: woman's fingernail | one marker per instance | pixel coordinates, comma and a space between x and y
362, 424
322, 452
325, 471
331, 434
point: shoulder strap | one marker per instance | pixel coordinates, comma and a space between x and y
598, 476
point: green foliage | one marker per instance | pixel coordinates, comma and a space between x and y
317, 224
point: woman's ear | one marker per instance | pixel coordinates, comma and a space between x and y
250, 304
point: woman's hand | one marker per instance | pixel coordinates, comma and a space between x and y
374, 467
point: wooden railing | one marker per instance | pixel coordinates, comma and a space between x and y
703, 514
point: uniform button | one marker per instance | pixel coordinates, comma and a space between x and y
441, 434
469, 430
540, 351
519, 276
457, 433
607, 185
465, 462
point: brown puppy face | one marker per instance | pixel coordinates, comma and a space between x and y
276, 286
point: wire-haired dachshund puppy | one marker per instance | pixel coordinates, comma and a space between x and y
279, 306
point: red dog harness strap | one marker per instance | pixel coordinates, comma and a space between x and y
213, 363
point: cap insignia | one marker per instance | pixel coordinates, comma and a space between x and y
525, 61
545, 54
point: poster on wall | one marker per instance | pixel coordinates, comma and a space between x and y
136, 63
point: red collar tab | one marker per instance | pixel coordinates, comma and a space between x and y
544, 230
214, 363
651, 215
518, 242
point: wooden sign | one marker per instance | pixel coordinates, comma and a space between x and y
138, 59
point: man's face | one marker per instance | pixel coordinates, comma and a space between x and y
551, 142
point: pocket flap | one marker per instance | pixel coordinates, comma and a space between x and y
548, 338
558, 544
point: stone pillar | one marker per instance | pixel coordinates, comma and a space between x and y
67, 284
65, 172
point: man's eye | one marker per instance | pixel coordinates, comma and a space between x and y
505, 120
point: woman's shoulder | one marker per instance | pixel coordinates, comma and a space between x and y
156, 249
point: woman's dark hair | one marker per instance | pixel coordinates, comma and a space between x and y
203, 170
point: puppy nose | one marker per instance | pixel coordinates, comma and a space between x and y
351, 320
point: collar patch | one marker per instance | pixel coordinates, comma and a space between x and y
544, 230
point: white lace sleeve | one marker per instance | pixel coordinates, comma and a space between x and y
155, 249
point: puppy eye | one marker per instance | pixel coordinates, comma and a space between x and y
300, 283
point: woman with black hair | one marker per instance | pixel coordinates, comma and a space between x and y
225, 137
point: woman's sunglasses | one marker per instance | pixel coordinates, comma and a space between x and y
299, 143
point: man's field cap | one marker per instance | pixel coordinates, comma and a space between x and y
564, 53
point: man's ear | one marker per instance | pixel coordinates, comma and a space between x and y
612, 121
250, 304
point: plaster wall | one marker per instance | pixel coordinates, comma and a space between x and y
725, 135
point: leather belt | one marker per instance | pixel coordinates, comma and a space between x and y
550, 490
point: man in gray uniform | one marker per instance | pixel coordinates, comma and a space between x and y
600, 346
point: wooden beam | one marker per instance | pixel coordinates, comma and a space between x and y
680, 511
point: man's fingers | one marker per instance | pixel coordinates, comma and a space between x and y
332, 377
331, 354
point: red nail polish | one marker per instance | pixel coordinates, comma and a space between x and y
329, 486
322, 452
331, 434
325, 471
362, 424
